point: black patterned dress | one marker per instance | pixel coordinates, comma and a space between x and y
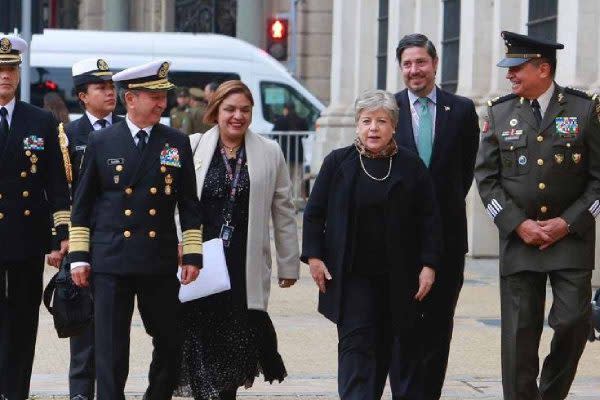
225, 344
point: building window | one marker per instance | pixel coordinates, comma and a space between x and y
543, 19
450, 45
206, 16
382, 42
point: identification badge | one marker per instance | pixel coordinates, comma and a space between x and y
226, 234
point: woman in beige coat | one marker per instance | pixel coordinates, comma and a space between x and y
243, 182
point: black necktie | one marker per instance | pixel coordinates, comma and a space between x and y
3, 128
102, 123
141, 135
535, 105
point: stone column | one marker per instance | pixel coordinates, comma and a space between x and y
578, 61
401, 21
251, 23
116, 15
91, 14
354, 44
475, 52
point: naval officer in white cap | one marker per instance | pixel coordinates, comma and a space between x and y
123, 235
34, 199
92, 80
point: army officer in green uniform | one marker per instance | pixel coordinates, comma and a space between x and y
538, 173
181, 118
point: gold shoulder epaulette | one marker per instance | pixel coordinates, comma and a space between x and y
500, 99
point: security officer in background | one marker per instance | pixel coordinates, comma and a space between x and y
197, 111
133, 175
34, 198
95, 90
180, 114
538, 172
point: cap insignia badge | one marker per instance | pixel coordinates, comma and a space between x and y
163, 70
102, 65
5, 45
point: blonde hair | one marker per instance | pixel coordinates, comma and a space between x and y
225, 90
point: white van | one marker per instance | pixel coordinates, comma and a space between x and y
196, 59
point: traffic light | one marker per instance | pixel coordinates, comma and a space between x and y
277, 38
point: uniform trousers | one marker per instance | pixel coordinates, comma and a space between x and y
368, 348
522, 298
159, 309
20, 299
82, 371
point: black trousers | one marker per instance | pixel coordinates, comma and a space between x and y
20, 299
522, 297
159, 308
368, 349
82, 369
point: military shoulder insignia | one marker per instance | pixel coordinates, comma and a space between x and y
498, 100
163, 70
169, 156
579, 93
5, 45
102, 65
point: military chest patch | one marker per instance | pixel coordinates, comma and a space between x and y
115, 161
566, 127
80, 148
170, 156
513, 134
32, 142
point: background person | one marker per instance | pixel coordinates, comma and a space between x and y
209, 91
95, 90
538, 172
371, 237
229, 337
56, 105
180, 115
198, 110
34, 193
443, 129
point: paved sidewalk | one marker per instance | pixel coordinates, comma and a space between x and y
308, 345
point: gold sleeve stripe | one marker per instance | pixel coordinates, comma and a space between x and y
192, 241
79, 239
62, 218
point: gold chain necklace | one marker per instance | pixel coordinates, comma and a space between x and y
374, 177
230, 149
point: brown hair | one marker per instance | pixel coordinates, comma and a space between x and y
225, 90
56, 105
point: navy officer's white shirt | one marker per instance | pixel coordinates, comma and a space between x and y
10, 107
94, 120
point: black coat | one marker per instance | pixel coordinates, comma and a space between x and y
34, 195
123, 200
452, 160
78, 132
412, 232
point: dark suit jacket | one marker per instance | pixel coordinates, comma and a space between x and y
123, 199
452, 161
412, 232
33, 186
78, 132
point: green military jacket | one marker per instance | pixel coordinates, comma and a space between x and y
181, 120
197, 114
523, 172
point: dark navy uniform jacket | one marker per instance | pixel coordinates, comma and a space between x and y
127, 199
34, 195
78, 132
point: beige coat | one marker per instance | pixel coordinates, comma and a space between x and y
270, 197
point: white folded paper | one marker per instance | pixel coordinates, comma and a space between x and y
213, 278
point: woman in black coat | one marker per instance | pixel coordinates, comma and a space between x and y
372, 239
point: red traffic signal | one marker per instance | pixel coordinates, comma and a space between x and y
277, 37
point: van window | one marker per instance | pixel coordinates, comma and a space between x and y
60, 80
275, 95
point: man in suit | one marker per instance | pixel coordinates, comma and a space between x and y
95, 89
133, 175
34, 199
538, 172
443, 129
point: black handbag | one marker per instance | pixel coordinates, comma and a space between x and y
71, 307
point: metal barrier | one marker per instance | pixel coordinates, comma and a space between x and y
297, 150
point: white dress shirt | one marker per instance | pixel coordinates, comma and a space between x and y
134, 129
545, 98
94, 121
10, 107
